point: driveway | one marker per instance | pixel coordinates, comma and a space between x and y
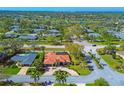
23, 71
52, 71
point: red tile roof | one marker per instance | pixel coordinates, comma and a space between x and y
52, 57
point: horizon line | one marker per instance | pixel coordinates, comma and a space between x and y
64, 9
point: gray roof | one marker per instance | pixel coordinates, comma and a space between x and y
117, 34
94, 34
11, 34
89, 31
25, 59
37, 30
28, 37
54, 31
15, 28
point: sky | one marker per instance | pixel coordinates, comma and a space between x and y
65, 9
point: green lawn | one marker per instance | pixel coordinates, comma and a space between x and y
79, 65
11, 71
80, 69
114, 63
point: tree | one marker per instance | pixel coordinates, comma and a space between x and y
122, 46
74, 49
35, 75
61, 76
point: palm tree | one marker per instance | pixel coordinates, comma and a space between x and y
35, 75
61, 76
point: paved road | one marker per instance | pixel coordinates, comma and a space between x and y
47, 46
113, 77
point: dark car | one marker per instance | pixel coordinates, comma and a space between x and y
89, 61
94, 45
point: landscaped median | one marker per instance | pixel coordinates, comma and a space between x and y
117, 64
113, 60
97, 61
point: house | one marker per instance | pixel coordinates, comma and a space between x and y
116, 34
89, 31
37, 30
57, 59
53, 32
24, 59
95, 35
28, 37
15, 28
11, 34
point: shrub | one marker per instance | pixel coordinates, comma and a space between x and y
101, 51
99, 82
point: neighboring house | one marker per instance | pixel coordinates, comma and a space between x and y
11, 34
15, 28
89, 31
116, 34
95, 35
28, 37
37, 30
57, 59
24, 59
53, 32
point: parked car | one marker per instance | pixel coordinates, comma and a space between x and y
94, 45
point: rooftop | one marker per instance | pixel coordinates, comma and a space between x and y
52, 57
28, 37
25, 59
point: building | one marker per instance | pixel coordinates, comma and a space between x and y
119, 35
37, 30
15, 28
24, 59
11, 34
95, 35
28, 37
89, 31
57, 59
53, 32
